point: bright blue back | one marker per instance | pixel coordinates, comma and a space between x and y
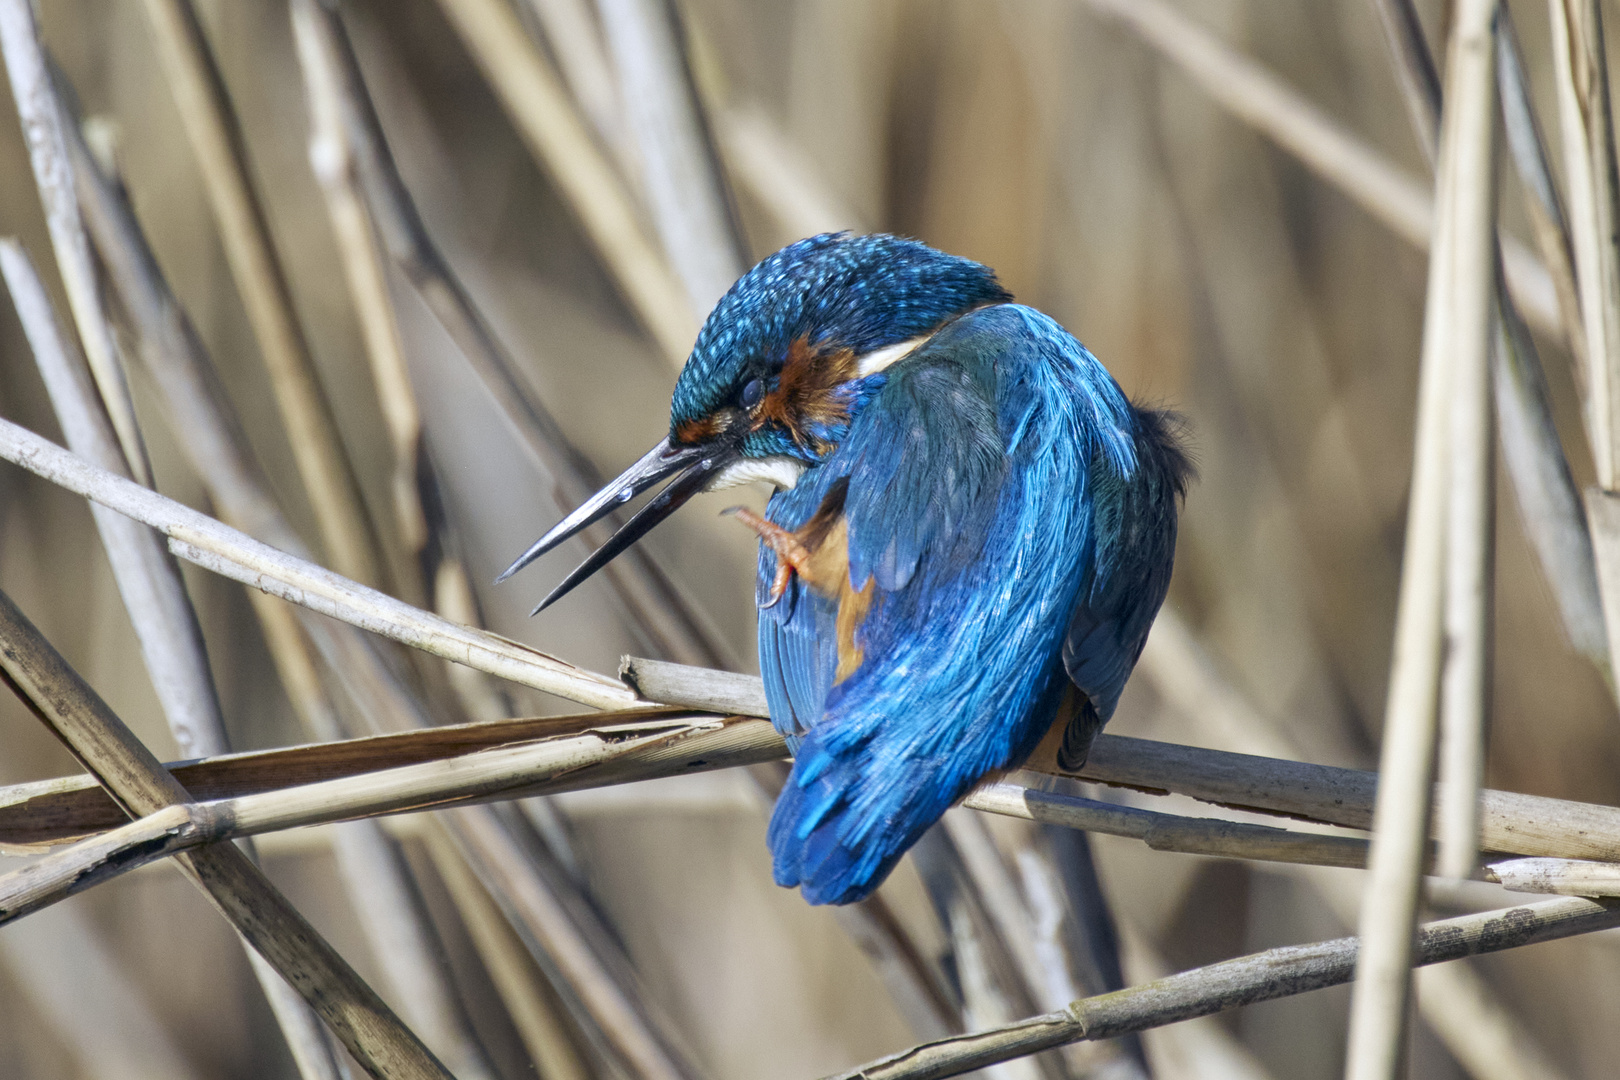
1017, 516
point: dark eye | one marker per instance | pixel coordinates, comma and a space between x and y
752, 393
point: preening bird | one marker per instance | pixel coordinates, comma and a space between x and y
971, 533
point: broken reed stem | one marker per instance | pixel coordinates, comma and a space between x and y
216, 139
1257, 97
539, 108
614, 752
1264, 976
47, 152
260, 913
1455, 343
681, 180
222, 549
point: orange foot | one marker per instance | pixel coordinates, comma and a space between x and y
791, 554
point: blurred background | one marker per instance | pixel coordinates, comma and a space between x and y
1207, 268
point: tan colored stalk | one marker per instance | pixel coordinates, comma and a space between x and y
545, 118
332, 158
1455, 351
73, 711
47, 152
682, 184
216, 139
159, 609
517, 979
215, 546
1208, 990
540, 915
1587, 130
1257, 97
651, 602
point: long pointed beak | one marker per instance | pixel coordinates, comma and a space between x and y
692, 468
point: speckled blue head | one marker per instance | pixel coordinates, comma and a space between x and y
831, 295
776, 374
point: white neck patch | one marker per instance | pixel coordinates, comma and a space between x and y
878, 359
778, 470
783, 472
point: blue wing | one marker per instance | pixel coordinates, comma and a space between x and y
964, 496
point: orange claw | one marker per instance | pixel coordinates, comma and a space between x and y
791, 555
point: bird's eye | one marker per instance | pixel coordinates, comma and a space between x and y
752, 393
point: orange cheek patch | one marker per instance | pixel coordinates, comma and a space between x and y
806, 391
691, 432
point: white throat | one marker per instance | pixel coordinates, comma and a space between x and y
778, 470
783, 472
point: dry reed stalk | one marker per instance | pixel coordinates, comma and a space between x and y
1455, 1003
1204, 991
1549, 503
47, 151
1257, 97
1544, 206
1471, 511
1333, 796
73, 711
570, 29
517, 980
1550, 506
216, 139
546, 120
683, 186
332, 159
155, 598
778, 174
1568, 877
217, 547
653, 606
279, 789
221, 457
542, 916
1455, 351
1587, 130
159, 609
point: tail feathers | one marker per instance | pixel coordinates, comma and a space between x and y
832, 850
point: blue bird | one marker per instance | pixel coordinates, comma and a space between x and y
972, 531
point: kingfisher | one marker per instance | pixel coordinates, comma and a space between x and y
971, 531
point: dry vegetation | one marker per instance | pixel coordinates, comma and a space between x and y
346, 302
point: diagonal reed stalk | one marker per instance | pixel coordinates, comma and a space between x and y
653, 606
1204, 991
47, 152
546, 120
217, 141
681, 179
219, 453
159, 609
261, 914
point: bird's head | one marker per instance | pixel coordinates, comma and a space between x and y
782, 364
